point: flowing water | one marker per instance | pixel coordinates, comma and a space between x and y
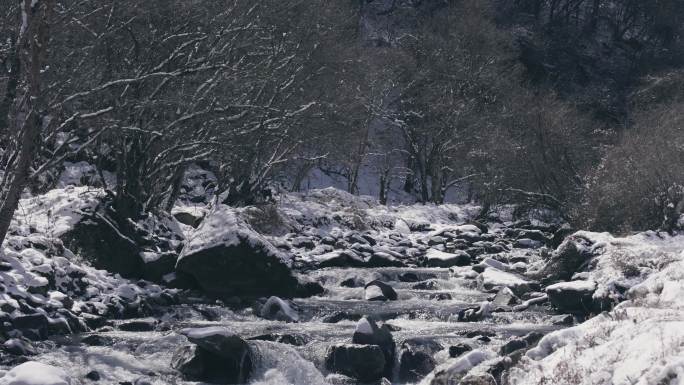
146, 356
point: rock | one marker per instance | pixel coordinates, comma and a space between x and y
526, 243
567, 259
474, 314
18, 347
436, 240
35, 373
341, 316
495, 279
380, 259
32, 326
563, 320
478, 379
572, 297
146, 325
368, 333
436, 258
365, 363
216, 357
189, 218
93, 375
458, 350
303, 243
513, 345
426, 285
560, 235
440, 297
289, 339
227, 258
456, 369
416, 359
96, 340
380, 291
505, 297
344, 258
277, 309
352, 282
309, 289
157, 265
409, 277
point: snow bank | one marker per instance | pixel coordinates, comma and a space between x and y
642, 340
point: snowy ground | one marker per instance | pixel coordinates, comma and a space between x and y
642, 340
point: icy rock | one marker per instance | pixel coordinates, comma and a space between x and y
278, 310
380, 291
227, 258
346, 258
365, 363
34, 373
567, 259
454, 370
505, 297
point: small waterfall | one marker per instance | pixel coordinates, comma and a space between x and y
279, 364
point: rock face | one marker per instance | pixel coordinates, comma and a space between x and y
227, 258
365, 363
217, 357
572, 297
368, 333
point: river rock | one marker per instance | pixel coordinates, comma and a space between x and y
216, 357
365, 363
567, 259
35, 373
436, 258
416, 359
572, 297
368, 333
504, 298
227, 258
379, 291
277, 309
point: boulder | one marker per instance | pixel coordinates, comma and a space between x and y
365, 363
216, 357
227, 258
495, 279
277, 309
379, 291
189, 217
368, 333
475, 313
35, 373
343, 258
572, 297
459, 349
436, 258
416, 359
504, 298
381, 259
567, 259
32, 326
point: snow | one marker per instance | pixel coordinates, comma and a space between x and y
493, 277
578, 286
441, 255
460, 366
641, 340
35, 373
55, 212
201, 333
224, 227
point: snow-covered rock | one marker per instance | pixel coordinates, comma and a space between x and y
227, 257
492, 279
575, 296
437, 258
35, 373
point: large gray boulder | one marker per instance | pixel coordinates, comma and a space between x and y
365, 363
228, 258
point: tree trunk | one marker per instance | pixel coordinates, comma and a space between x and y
32, 40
